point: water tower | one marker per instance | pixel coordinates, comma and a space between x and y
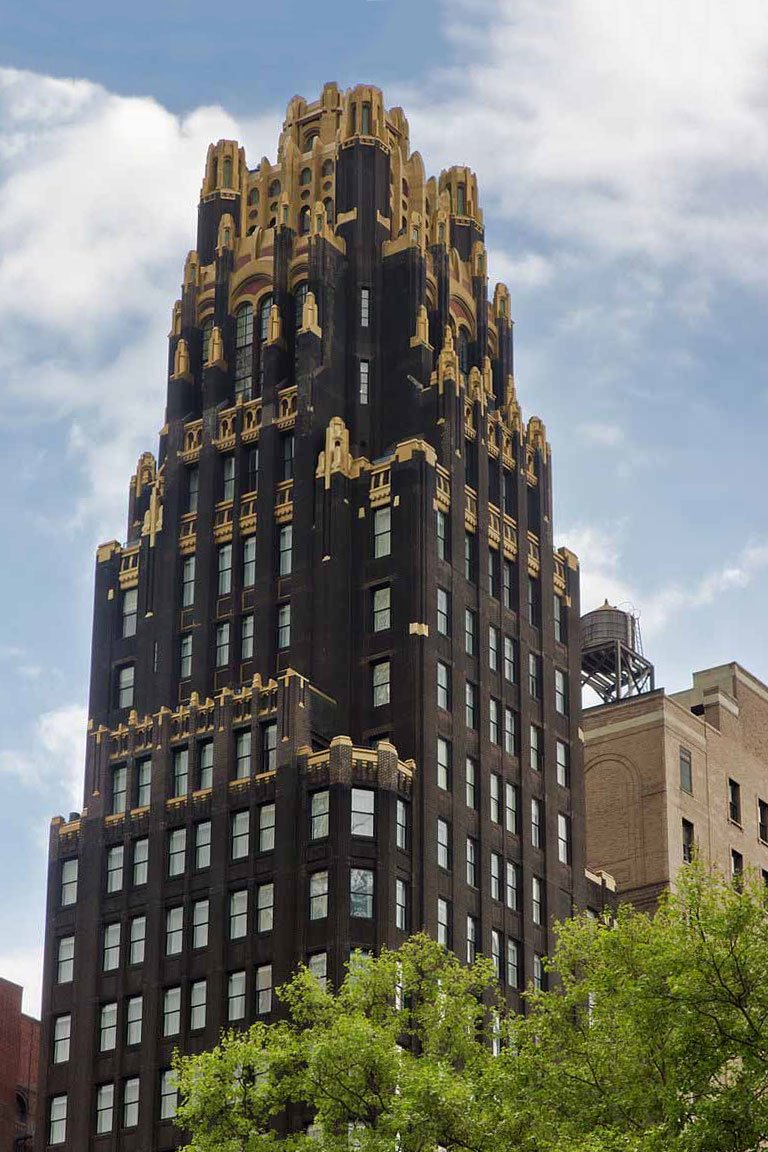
612, 661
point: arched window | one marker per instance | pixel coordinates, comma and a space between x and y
264, 310
461, 200
304, 220
215, 172
207, 331
253, 197
365, 120
463, 351
273, 221
299, 299
327, 167
305, 177
405, 187
328, 205
274, 188
244, 351
309, 140
227, 172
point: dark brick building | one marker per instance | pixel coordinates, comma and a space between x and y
19, 1056
333, 694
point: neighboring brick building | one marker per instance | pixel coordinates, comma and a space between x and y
664, 772
19, 1053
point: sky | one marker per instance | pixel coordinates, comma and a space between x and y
622, 156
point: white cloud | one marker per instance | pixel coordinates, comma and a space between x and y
606, 435
53, 760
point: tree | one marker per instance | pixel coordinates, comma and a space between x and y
654, 1036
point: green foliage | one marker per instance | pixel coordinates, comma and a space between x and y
654, 1038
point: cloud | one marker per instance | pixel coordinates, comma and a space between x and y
606, 435
54, 760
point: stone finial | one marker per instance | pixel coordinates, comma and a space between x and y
310, 320
275, 326
422, 329
181, 369
335, 457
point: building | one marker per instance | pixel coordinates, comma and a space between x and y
19, 1055
667, 773
333, 695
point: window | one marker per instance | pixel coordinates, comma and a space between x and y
471, 939
284, 626
174, 930
512, 886
133, 1020
130, 611
238, 914
242, 754
496, 959
185, 656
105, 1102
228, 478
253, 469
177, 851
141, 861
57, 1130
471, 862
381, 608
180, 771
563, 838
65, 960
365, 122
285, 550
200, 915
442, 535
207, 331
264, 989
222, 644
125, 677
510, 732
143, 782
470, 631
512, 808
108, 1027
469, 557
561, 632
563, 764
494, 727
266, 827
169, 1093
537, 748
382, 532
131, 1102
111, 950
495, 876
561, 692
536, 823
119, 789
443, 922
443, 612
495, 797
513, 963
509, 659
688, 842
365, 307
493, 574
171, 1011
244, 350
318, 966
246, 638
304, 225
265, 907
508, 584
686, 771
270, 747
203, 844
318, 895
470, 704
401, 825
493, 648
318, 819
224, 569
470, 780
401, 906
136, 940
205, 764
364, 369
444, 763
443, 686
534, 675
361, 893
240, 835
249, 562
363, 806
534, 602
193, 489
287, 444
539, 975
537, 900
62, 1030
762, 820
380, 676
115, 868
734, 802
443, 844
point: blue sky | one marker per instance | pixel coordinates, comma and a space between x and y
622, 156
